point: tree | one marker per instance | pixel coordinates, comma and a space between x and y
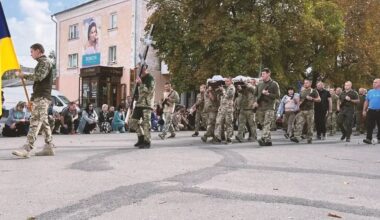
199, 38
360, 59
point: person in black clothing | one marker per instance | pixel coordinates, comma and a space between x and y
89, 120
69, 119
347, 101
321, 110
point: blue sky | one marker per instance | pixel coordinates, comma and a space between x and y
29, 22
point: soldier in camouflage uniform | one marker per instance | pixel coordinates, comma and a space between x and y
331, 119
171, 98
212, 103
347, 101
143, 108
268, 92
200, 115
40, 101
225, 112
308, 97
360, 120
247, 105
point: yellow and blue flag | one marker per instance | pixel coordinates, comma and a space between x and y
8, 58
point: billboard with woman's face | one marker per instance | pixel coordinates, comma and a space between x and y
91, 53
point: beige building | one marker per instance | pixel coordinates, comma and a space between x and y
98, 43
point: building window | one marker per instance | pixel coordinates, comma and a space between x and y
73, 60
112, 54
73, 32
113, 21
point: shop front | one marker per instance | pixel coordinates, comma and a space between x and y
100, 85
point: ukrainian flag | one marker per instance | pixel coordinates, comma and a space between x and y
8, 58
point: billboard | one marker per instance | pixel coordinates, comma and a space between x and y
91, 50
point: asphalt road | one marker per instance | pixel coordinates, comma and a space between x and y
102, 176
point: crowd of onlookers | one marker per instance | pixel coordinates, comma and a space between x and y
87, 121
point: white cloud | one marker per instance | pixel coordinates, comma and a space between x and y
35, 27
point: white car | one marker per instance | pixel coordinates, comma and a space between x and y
13, 95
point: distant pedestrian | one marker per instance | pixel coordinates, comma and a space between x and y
171, 99
308, 97
360, 120
198, 107
268, 92
288, 108
371, 110
347, 101
224, 118
321, 111
331, 119
141, 116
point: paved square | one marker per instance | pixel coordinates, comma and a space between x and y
102, 176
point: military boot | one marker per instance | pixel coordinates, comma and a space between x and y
46, 151
195, 134
239, 139
162, 136
23, 152
216, 140
140, 141
172, 135
204, 139
145, 145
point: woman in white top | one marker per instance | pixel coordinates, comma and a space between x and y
288, 108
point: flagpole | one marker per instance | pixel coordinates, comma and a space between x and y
26, 93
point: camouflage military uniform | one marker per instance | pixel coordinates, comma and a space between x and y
40, 100
360, 120
200, 115
143, 109
346, 113
172, 98
225, 113
212, 103
331, 119
246, 112
265, 111
306, 115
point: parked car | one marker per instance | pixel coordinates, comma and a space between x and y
15, 94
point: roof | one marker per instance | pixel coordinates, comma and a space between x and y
76, 7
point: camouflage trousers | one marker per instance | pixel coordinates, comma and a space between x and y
306, 116
168, 125
360, 122
140, 122
224, 122
344, 121
211, 120
265, 118
247, 117
39, 120
200, 120
331, 123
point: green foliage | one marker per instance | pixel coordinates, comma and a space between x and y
201, 38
